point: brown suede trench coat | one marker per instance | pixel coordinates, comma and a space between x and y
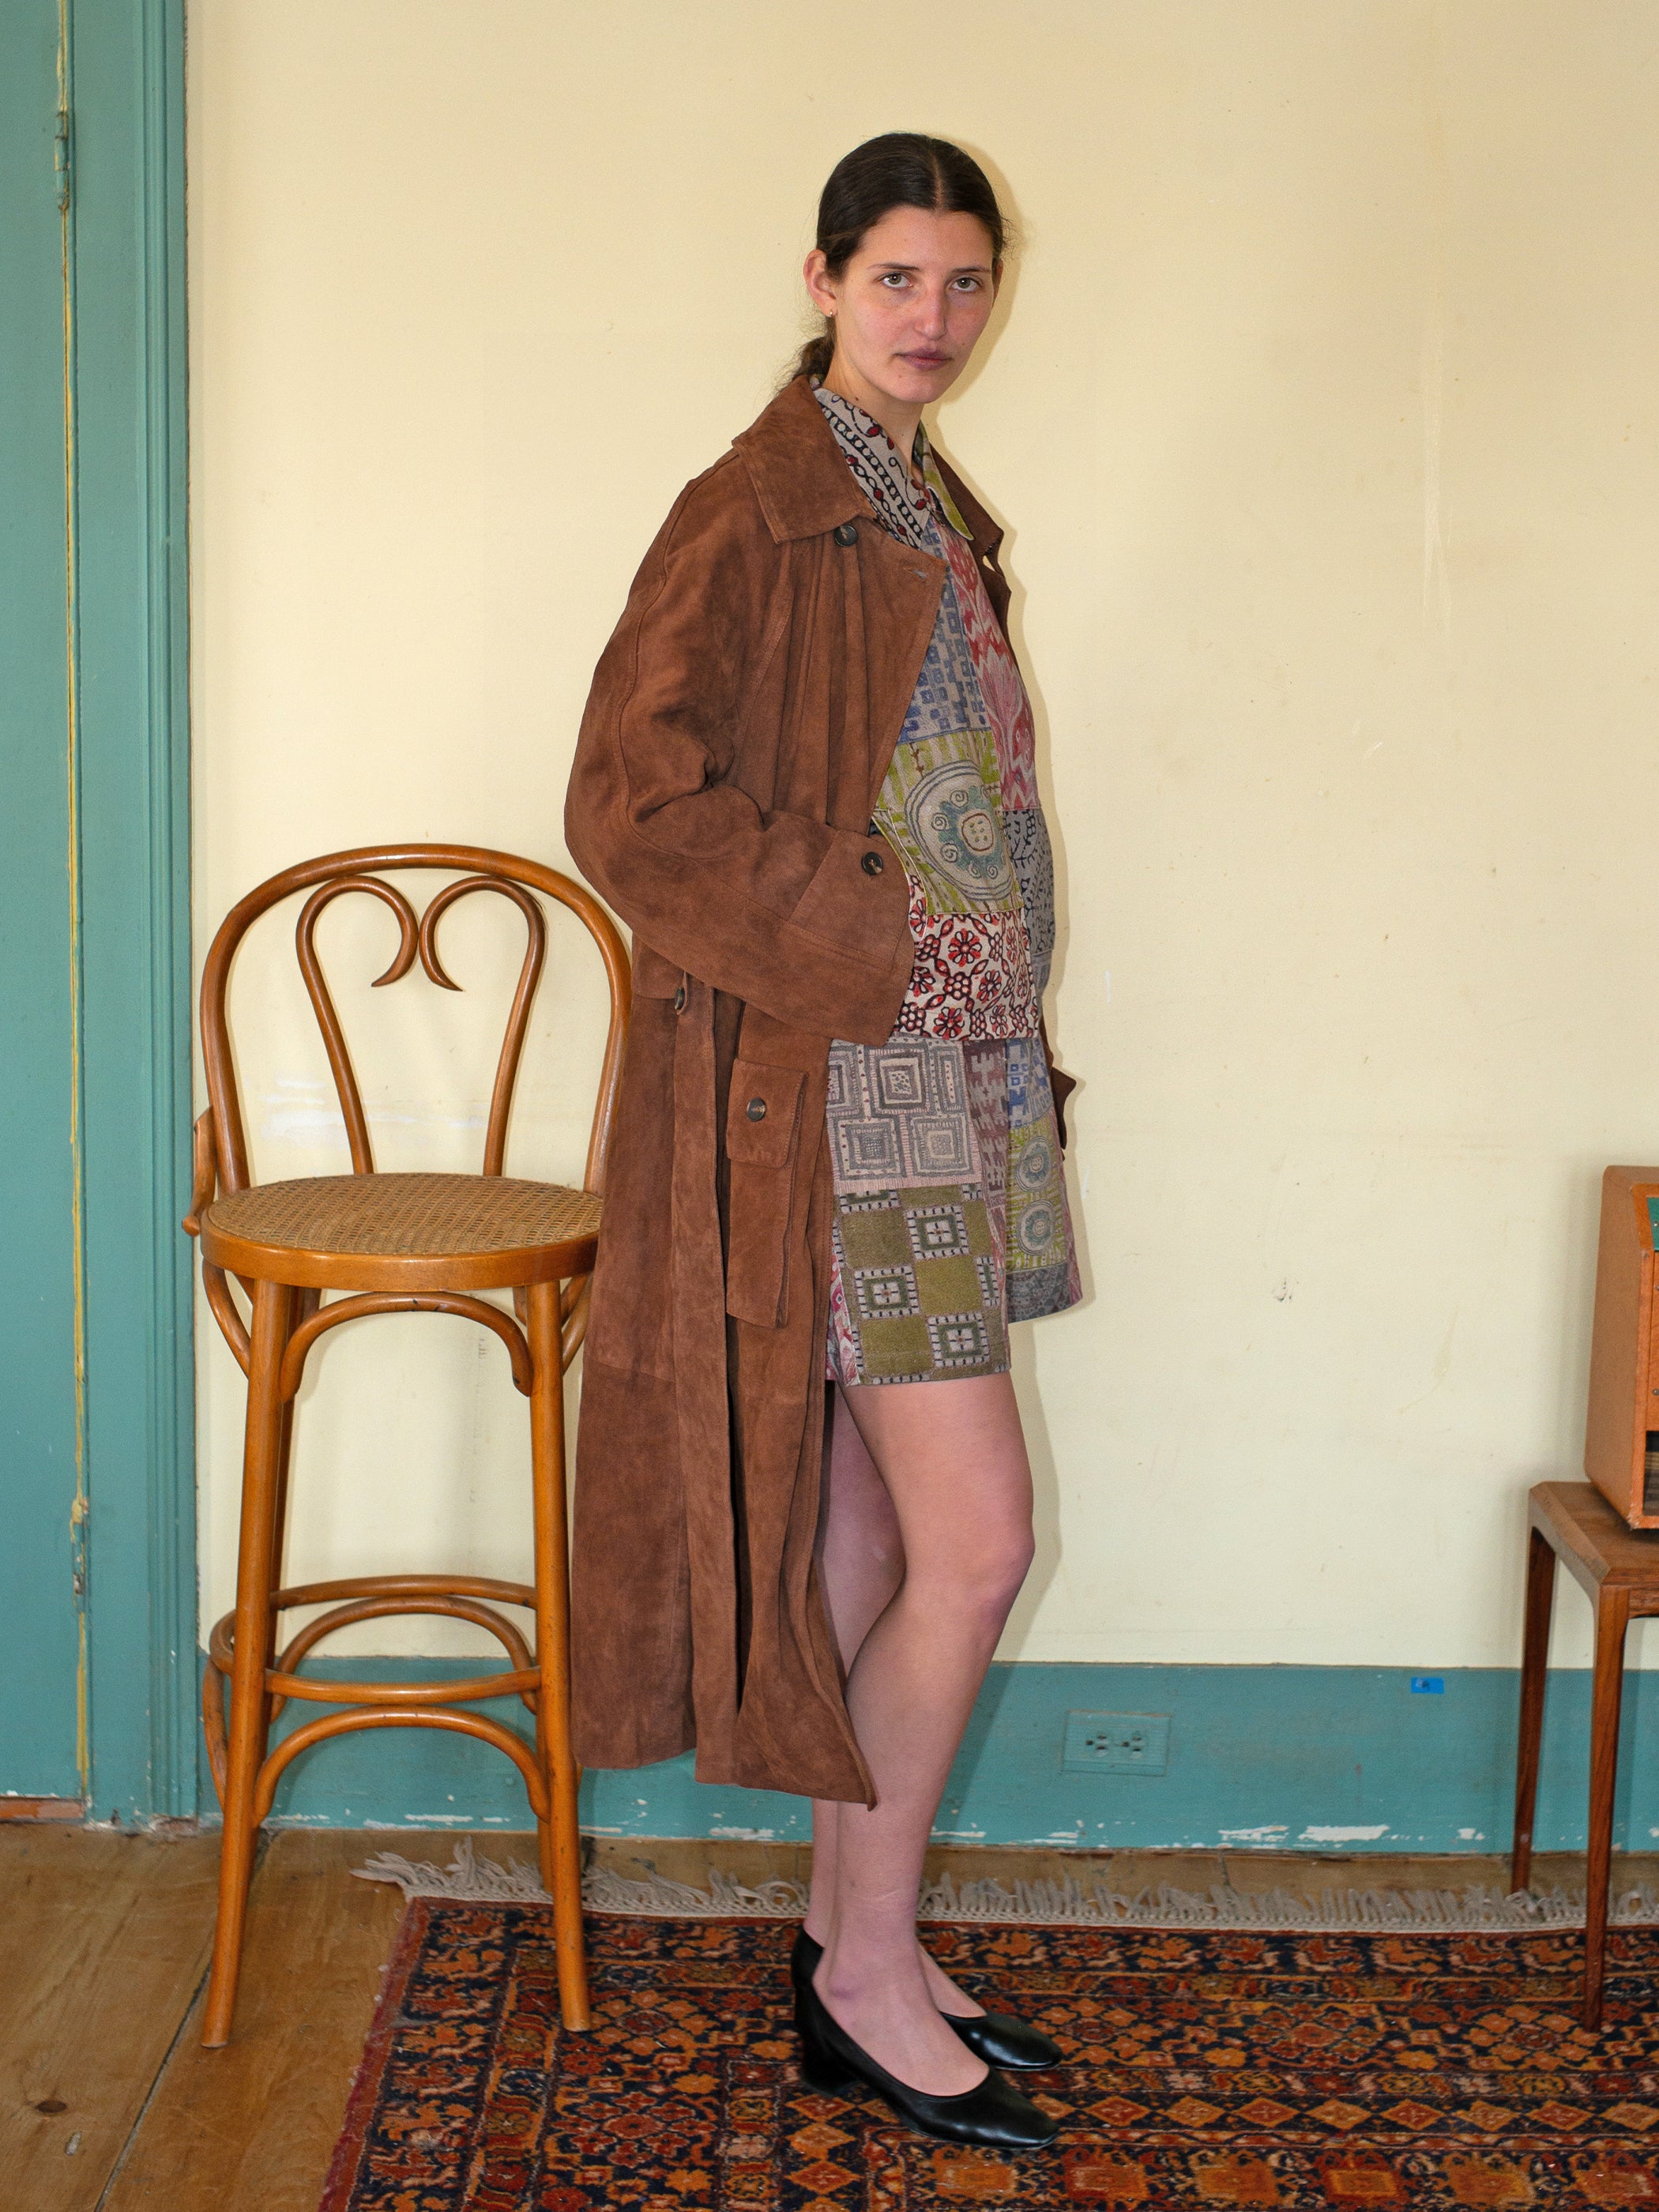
740, 726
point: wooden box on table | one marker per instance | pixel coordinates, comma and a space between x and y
1621, 1437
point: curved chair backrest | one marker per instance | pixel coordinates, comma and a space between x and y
332, 877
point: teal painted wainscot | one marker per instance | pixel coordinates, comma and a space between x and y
1313, 1759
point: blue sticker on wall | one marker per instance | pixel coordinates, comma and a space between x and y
1428, 1686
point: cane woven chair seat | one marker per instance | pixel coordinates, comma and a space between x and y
496, 1226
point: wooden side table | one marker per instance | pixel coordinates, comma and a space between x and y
1619, 1569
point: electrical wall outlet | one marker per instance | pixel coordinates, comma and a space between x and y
1116, 1743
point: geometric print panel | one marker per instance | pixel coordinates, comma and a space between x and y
1034, 870
920, 1291
947, 697
960, 1343
886, 1293
1037, 1234
1033, 1293
940, 1145
897, 1082
1037, 1229
938, 1230
870, 1151
950, 1210
987, 1107
1029, 1099
898, 1114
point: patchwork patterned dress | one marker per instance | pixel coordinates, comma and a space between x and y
950, 1213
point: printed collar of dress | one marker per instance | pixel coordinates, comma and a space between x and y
889, 462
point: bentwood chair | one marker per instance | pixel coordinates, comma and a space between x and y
394, 1244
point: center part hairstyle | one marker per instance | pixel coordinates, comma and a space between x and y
900, 169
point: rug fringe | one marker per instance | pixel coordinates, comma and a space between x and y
470, 1880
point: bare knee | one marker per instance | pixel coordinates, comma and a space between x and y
1006, 1568
981, 1571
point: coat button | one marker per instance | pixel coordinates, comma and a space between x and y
846, 533
679, 999
756, 1110
872, 864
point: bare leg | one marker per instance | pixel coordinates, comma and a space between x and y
952, 1460
860, 1558
861, 1567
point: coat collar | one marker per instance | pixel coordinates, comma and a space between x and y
803, 483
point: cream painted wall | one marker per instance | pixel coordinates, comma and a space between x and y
1321, 403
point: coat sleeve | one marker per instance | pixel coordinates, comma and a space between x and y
807, 922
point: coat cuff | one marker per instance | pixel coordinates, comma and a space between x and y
847, 890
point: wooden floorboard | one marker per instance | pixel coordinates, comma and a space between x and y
253, 2125
103, 1939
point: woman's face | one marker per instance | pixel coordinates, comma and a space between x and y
910, 305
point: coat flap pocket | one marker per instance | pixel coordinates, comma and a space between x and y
760, 1120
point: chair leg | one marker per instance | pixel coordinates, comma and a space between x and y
1612, 1619
1535, 1662
561, 1838
279, 1515
261, 1461
306, 1303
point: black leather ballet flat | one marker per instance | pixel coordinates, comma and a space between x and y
998, 2038
994, 2112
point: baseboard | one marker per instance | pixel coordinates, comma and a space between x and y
1303, 1759
42, 1808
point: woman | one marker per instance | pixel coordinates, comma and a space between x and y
805, 779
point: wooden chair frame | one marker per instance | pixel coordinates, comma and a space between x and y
550, 1286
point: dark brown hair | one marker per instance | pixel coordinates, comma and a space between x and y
900, 169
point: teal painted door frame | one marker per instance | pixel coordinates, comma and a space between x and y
100, 1405
126, 74
42, 1751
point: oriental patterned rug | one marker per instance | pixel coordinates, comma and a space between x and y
1210, 2066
